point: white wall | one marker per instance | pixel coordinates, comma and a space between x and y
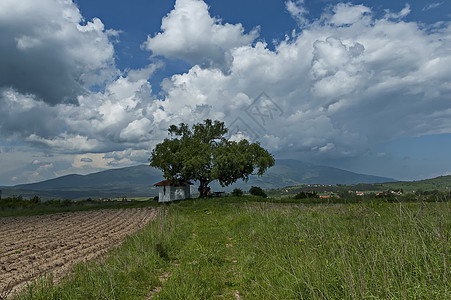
164, 194
172, 193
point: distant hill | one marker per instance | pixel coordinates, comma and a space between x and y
133, 181
138, 181
290, 172
442, 183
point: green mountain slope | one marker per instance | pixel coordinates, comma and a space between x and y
290, 172
138, 181
133, 181
442, 183
123, 177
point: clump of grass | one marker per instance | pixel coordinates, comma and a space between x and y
345, 251
217, 247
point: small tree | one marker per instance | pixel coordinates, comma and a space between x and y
202, 153
35, 200
237, 192
257, 191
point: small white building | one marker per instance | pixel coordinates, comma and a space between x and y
170, 191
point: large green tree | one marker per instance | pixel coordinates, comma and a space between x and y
203, 153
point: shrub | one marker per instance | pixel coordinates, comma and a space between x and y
35, 200
257, 191
66, 202
52, 202
237, 192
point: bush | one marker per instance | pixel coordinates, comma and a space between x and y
66, 202
35, 200
257, 191
52, 202
237, 192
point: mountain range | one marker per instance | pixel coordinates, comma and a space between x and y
137, 181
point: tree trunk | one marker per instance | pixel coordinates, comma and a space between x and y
203, 188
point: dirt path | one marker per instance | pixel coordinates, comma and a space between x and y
32, 246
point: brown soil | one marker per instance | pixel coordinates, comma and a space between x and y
52, 244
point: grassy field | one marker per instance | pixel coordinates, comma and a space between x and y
245, 248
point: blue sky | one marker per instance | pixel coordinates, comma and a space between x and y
139, 18
91, 85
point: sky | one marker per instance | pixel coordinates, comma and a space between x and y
92, 85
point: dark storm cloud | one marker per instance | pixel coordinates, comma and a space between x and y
22, 116
47, 52
43, 71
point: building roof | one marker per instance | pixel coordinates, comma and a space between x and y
168, 182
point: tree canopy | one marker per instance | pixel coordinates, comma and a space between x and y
203, 153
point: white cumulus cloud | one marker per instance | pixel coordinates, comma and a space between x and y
432, 6
188, 32
298, 11
402, 14
351, 86
346, 13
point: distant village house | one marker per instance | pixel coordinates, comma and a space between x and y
171, 191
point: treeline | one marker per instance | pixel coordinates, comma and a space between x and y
18, 206
19, 202
312, 197
399, 195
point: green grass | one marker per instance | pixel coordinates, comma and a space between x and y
215, 248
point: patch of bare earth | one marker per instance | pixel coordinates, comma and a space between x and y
163, 278
52, 244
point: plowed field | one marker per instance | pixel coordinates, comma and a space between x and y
36, 245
